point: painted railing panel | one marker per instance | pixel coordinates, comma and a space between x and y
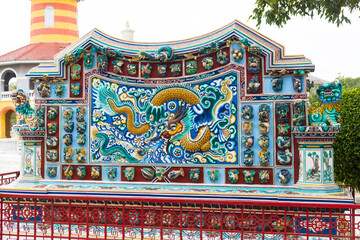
72, 217
54, 217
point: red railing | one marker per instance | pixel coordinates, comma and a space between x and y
86, 217
7, 178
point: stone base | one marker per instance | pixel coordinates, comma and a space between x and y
234, 193
319, 187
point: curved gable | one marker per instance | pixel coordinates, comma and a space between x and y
272, 51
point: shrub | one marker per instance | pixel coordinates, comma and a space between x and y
347, 143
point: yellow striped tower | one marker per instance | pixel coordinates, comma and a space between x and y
54, 21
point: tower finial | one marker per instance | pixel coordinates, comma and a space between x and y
128, 33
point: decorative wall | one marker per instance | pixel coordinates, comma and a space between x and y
217, 110
214, 115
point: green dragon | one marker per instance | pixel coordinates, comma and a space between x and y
25, 113
104, 140
328, 113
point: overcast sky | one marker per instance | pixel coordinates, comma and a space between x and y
333, 50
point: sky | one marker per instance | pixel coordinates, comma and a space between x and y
334, 50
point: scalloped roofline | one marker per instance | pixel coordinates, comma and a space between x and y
274, 52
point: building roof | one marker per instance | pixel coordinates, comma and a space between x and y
276, 60
34, 52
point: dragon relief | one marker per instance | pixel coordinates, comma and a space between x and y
169, 124
26, 115
328, 113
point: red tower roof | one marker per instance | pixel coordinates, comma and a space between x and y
34, 52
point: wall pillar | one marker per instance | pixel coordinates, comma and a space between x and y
31, 160
316, 164
32, 166
316, 161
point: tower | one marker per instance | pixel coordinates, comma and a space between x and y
127, 34
54, 21
53, 27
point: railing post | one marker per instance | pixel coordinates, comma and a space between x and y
307, 223
69, 215
201, 221
142, 220
352, 212
52, 217
105, 224
242, 222
285, 222
87, 219
35, 210
161, 221
18, 217
330, 225
123, 220
1, 216
180, 221
221, 222
263, 222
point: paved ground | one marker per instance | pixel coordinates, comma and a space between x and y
10, 162
10, 157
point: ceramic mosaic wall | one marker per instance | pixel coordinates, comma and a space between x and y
215, 116
175, 124
74, 121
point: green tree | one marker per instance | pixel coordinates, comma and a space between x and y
350, 83
347, 143
314, 100
278, 12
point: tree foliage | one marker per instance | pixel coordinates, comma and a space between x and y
347, 143
350, 83
314, 100
278, 12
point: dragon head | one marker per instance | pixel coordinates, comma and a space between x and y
329, 92
19, 98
